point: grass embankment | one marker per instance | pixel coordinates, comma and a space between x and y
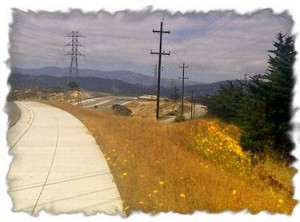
147, 108
184, 167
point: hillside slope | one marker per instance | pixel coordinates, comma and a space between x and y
123, 75
105, 85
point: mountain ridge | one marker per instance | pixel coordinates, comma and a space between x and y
106, 85
123, 75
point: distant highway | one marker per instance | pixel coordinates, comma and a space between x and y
106, 101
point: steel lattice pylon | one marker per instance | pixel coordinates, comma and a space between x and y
73, 83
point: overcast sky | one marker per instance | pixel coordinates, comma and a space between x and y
217, 45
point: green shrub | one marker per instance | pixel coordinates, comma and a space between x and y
121, 110
180, 119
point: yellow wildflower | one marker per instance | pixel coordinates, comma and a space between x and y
182, 195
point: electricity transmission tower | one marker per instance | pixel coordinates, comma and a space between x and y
155, 68
192, 103
155, 78
73, 83
160, 53
182, 90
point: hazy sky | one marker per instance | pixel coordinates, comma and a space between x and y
217, 45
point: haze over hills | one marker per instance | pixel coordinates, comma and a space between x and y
86, 83
106, 85
123, 75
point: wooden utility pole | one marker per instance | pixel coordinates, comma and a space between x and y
182, 90
192, 102
160, 53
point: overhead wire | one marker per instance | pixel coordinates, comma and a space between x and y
251, 42
93, 57
201, 41
170, 40
39, 49
37, 57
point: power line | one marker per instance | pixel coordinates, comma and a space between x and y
182, 91
39, 52
192, 101
73, 83
200, 41
174, 72
245, 46
160, 53
155, 77
172, 45
40, 57
42, 38
32, 25
94, 54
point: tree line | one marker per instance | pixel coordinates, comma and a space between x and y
262, 105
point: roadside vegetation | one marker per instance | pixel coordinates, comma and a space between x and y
147, 108
185, 167
236, 158
262, 106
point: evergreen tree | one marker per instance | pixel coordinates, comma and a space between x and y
262, 106
226, 102
266, 110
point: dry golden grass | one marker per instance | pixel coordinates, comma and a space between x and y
147, 108
157, 168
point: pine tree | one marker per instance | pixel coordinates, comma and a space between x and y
225, 103
266, 111
281, 82
262, 106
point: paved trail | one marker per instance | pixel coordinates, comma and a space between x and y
14, 113
57, 166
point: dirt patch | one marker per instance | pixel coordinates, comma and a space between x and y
147, 108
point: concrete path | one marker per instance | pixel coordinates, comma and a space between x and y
57, 165
14, 113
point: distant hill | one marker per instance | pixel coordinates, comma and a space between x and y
87, 83
206, 89
123, 75
106, 85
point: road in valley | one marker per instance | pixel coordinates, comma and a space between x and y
106, 101
199, 110
57, 166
